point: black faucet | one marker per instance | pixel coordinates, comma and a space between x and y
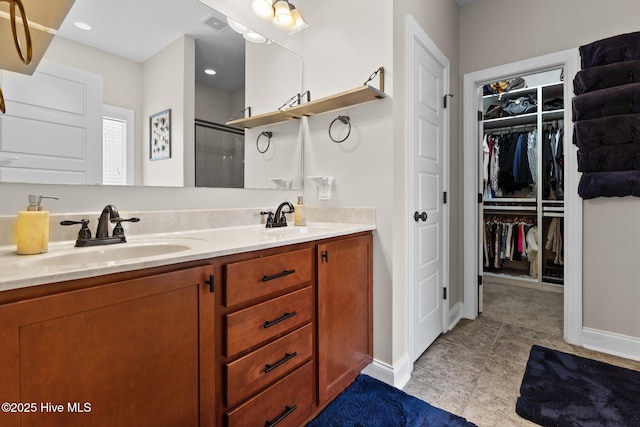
278, 219
109, 214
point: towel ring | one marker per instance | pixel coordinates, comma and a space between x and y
26, 59
344, 120
2, 106
268, 135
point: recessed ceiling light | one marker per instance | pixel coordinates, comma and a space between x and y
254, 37
82, 26
210, 71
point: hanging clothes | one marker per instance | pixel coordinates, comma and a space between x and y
532, 251
554, 240
509, 161
508, 238
553, 164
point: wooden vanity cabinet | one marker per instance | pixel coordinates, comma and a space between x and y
267, 340
319, 294
345, 313
132, 352
286, 330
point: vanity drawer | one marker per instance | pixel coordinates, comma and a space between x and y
259, 277
290, 400
261, 322
268, 364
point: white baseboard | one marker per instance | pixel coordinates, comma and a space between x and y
397, 375
611, 343
455, 314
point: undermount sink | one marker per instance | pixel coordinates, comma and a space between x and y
104, 254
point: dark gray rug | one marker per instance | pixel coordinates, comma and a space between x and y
564, 390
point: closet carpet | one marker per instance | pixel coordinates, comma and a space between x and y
475, 370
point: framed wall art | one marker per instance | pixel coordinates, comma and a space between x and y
160, 135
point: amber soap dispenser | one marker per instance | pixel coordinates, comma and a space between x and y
32, 229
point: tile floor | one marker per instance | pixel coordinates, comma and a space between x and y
475, 370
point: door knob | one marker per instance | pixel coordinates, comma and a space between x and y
420, 216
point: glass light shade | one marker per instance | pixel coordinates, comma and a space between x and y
283, 18
237, 27
254, 37
263, 8
299, 23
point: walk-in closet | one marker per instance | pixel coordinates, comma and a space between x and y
522, 216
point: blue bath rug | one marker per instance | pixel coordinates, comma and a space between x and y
564, 390
371, 403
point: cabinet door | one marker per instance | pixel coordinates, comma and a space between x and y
126, 353
345, 336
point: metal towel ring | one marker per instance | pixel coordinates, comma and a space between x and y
26, 59
268, 135
344, 120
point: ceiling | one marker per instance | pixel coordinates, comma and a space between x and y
138, 29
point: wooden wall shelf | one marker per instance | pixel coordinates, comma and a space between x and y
346, 99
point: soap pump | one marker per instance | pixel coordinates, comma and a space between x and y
32, 231
300, 213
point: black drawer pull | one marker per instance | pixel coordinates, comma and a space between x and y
275, 276
285, 359
285, 316
288, 410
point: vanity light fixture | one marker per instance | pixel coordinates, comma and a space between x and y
282, 18
263, 8
282, 14
210, 71
299, 24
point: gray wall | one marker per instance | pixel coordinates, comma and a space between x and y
495, 32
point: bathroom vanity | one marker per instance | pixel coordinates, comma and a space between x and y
266, 332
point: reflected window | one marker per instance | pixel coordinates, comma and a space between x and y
117, 146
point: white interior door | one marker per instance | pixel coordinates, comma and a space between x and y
52, 131
427, 133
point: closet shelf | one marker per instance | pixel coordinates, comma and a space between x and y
553, 115
522, 119
511, 200
524, 90
510, 208
358, 95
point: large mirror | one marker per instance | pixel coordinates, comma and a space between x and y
129, 102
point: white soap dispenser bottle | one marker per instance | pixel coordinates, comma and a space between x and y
32, 230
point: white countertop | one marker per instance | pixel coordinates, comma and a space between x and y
66, 262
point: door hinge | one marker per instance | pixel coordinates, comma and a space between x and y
325, 256
444, 293
444, 198
445, 99
211, 282
479, 197
479, 280
479, 116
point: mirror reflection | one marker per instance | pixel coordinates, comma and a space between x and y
88, 115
